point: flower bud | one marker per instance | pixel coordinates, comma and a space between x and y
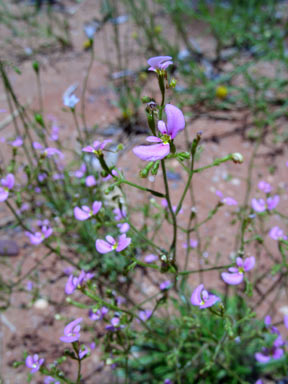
173, 83
35, 66
237, 158
146, 99
39, 119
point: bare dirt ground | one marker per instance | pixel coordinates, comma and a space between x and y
37, 330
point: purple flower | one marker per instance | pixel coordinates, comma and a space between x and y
145, 314
34, 363
83, 351
168, 381
80, 172
97, 147
286, 321
37, 145
277, 233
85, 212
69, 98
54, 132
236, 274
75, 282
267, 354
175, 123
50, 380
90, 181
150, 258
119, 214
99, 314
203, 299
272, 202
72, 331
123, 228
29, 285
7, 184
226, 200
264, 186
159, 63
111, 244
193, 244
258, 205
261, 205
49, 152
165, 285
18, 142
37, 237
114, 325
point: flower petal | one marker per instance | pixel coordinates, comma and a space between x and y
96, 207
80, 214
102, 246
175, 120
153, 139
212, 299
152, 152
162, 127
249, 263
123, 243
196, 295
232, 278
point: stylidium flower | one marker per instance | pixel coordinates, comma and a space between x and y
98, 314
264, 186
34, 363
83, 351
159, 63
193, 244
72, 331
50, 380
37, 237
260, 205
114, 325
90, 181
161, 148
235, 275
75, 282
277, 233
7, 184
267, 354
18, 142
145, 314
85, 212
165, 285
111, 244
203, 299
123, 228
81, 171
150, 258
97, 147
226, 200
49, 152
69, 98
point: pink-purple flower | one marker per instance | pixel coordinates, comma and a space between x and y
226, 200
37, 237
72, 331
264, 186
165, 285
277, 233
161, 148
51, 380
202, 298
260, 205
7, 184
159, 63
96, 147
84, 213
18, 142
274, 353
98, 314
69, 98
235, 275
75, 282
84, 350
34, 363
111, 244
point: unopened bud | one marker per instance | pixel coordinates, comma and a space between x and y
237, 158
173, 83
39, 119
35, 66
146, 99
